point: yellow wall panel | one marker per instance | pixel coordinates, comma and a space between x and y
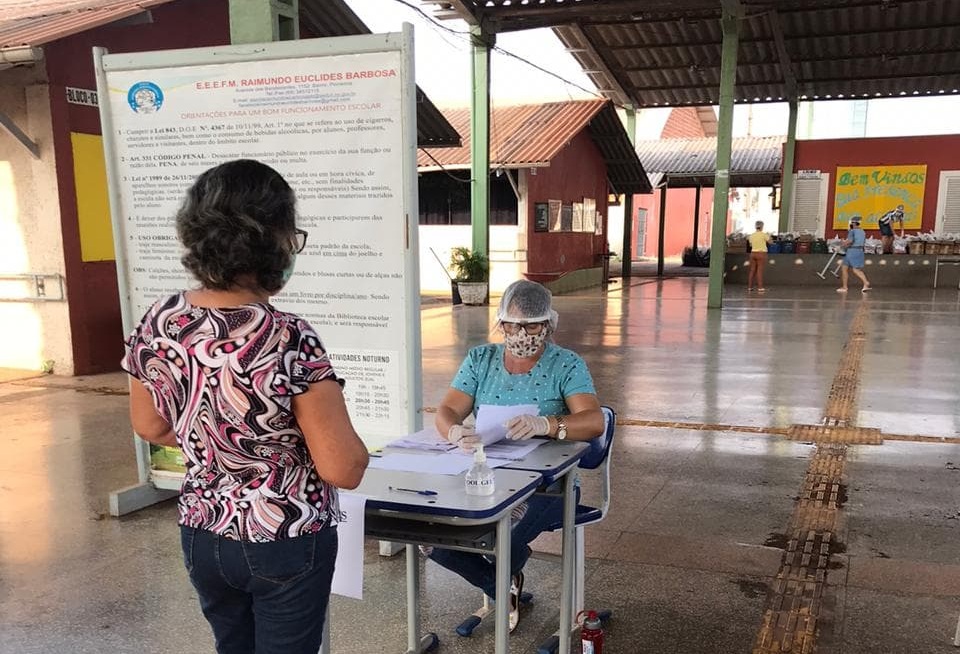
871, 191
93, 203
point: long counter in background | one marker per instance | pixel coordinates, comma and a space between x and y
890, 270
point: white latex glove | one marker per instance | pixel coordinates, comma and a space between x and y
523, 427
463, 437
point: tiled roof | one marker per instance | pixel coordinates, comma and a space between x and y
531, 135
36, 22
754, 161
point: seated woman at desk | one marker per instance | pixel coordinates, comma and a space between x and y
527, 368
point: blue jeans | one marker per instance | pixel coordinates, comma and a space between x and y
262, 598
480, 569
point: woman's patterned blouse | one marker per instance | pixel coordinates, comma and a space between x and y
224, 379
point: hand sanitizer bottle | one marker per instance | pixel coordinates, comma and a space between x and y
479, 478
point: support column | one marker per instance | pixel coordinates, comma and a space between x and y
626, 265
480, 140
261, 21
730, 23
663, 225
786, 180
696, 219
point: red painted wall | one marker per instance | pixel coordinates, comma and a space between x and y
92, 286
937, 152
679, 221
577, 172
683, 122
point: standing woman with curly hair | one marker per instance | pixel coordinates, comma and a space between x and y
249, 395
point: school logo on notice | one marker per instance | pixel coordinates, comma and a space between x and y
145, 98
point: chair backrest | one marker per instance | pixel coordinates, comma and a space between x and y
600, 445
599, 457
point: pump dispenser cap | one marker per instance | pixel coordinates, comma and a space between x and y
479, 456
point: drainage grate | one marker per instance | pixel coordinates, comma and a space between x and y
795, 600
829, 434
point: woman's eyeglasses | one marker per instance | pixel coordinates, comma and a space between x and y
530, 328
299, 240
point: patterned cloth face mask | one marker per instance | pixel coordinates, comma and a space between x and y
523, 345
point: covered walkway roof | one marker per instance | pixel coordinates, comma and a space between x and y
689, 162
650, 53
529, 136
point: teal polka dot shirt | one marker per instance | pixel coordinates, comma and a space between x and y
558, 374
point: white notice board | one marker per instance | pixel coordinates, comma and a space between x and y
337, 118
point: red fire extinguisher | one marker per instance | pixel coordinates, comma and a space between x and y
591, 632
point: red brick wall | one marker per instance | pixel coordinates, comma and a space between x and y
682, 122
939, 153
578, 171
92, 286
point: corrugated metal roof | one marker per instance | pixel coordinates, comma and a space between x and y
755, 161
43, 21
668, 52
531, 135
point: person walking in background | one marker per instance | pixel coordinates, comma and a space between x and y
758, 258
249, 395
854, 257
885, 224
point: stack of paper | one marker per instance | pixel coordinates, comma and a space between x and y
512, 450
425, 439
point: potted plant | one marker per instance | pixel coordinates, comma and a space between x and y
471, 273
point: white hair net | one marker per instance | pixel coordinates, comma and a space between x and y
526, 301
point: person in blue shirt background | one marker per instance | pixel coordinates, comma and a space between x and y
854, 258
527, 368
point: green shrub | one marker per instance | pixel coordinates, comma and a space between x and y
469, 266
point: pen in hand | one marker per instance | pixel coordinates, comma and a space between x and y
412, 490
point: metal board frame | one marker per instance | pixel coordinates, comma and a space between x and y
155, 486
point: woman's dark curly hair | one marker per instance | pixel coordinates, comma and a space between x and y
237, 224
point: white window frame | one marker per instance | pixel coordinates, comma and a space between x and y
824, 181
941, 225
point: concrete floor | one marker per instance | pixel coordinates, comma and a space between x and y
688, 552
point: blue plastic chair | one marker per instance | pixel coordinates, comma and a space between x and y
598, 456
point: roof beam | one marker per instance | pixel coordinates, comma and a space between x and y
587, 56
791, 37
11, 127
568, 12
516, 16
812, 81
786, 66
451, 9
742, 60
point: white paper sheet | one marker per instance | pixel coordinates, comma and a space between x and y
425, 439
456, 462
448, 463
513, 450
492, 418
348, 573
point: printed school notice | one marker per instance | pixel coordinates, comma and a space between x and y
331, 126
